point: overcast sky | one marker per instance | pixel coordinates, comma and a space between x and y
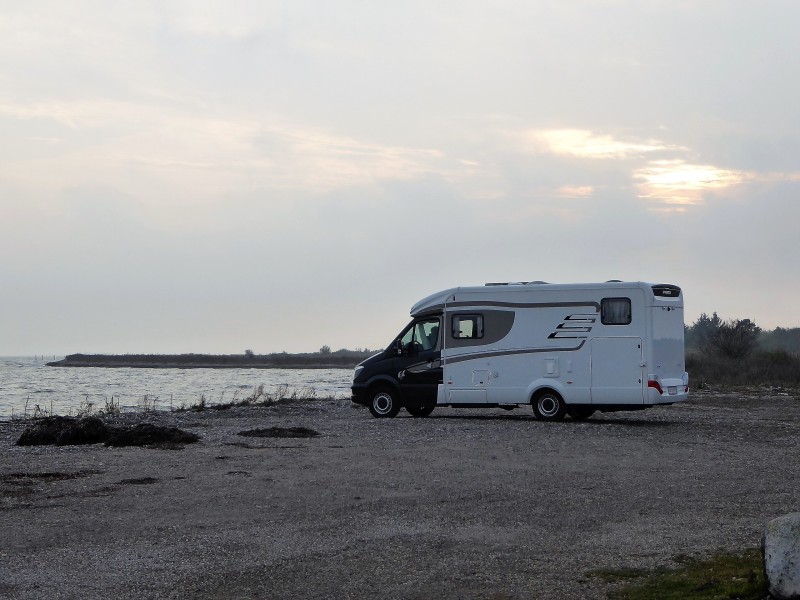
201, 176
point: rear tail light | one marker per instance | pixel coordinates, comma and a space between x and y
655, 385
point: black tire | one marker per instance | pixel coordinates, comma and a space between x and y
383, 403
420, 411
549, 406
580, 413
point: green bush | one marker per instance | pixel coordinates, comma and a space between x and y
777, 367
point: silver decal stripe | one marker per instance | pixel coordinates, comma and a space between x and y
573, 324
479, 303
457, 359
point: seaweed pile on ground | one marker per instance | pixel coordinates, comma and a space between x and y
71, 431
147, 434
280, 432
64, 431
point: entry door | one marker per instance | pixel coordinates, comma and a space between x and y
617, 371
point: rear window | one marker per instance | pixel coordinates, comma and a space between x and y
615, 311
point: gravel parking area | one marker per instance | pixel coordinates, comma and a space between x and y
462, 504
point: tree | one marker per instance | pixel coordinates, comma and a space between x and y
699, 335
325, 350
780, 338
734, 339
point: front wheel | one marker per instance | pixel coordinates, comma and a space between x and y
549, 406
384, 403
420, 411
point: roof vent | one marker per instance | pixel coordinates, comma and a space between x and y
512, 283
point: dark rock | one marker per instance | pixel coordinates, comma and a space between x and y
139, 481
280, 432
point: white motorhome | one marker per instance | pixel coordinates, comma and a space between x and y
562, 348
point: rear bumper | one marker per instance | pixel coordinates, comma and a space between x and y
667, 394
667, 390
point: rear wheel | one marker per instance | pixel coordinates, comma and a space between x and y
549, 406
384, 403
420, 411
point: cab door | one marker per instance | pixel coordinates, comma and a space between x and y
419, 362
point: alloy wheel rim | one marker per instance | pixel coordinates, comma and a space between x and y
382, 403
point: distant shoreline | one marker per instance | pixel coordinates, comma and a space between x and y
344, 359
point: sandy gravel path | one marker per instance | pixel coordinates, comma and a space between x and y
463, 504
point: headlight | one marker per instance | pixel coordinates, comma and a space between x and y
357, 372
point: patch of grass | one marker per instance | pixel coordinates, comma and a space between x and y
89, 408
283, 394
148, 403
719, 577
38, 412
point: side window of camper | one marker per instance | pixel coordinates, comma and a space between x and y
467, 327
615, 311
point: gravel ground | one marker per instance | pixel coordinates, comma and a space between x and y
463, 504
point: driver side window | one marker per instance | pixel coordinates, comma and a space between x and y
424, 335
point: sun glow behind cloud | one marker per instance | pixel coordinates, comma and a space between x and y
586, 144
679, 184
669, 184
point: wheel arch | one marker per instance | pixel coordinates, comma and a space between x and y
383, 381
544, 386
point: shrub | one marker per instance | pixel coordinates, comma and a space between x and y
760, 368
734, 339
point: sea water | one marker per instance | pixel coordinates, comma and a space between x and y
28, 386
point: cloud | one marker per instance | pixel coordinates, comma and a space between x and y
586, 144
232, 157
667, 175
575, 191
678, 183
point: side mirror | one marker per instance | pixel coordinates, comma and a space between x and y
398, 348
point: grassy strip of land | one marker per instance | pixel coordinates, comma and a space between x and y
771, 368
719, 577
281, 394
344, 359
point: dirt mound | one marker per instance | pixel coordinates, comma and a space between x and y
280, 432
70, 431
64, 431
147, 434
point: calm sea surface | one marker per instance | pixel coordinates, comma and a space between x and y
25, 383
